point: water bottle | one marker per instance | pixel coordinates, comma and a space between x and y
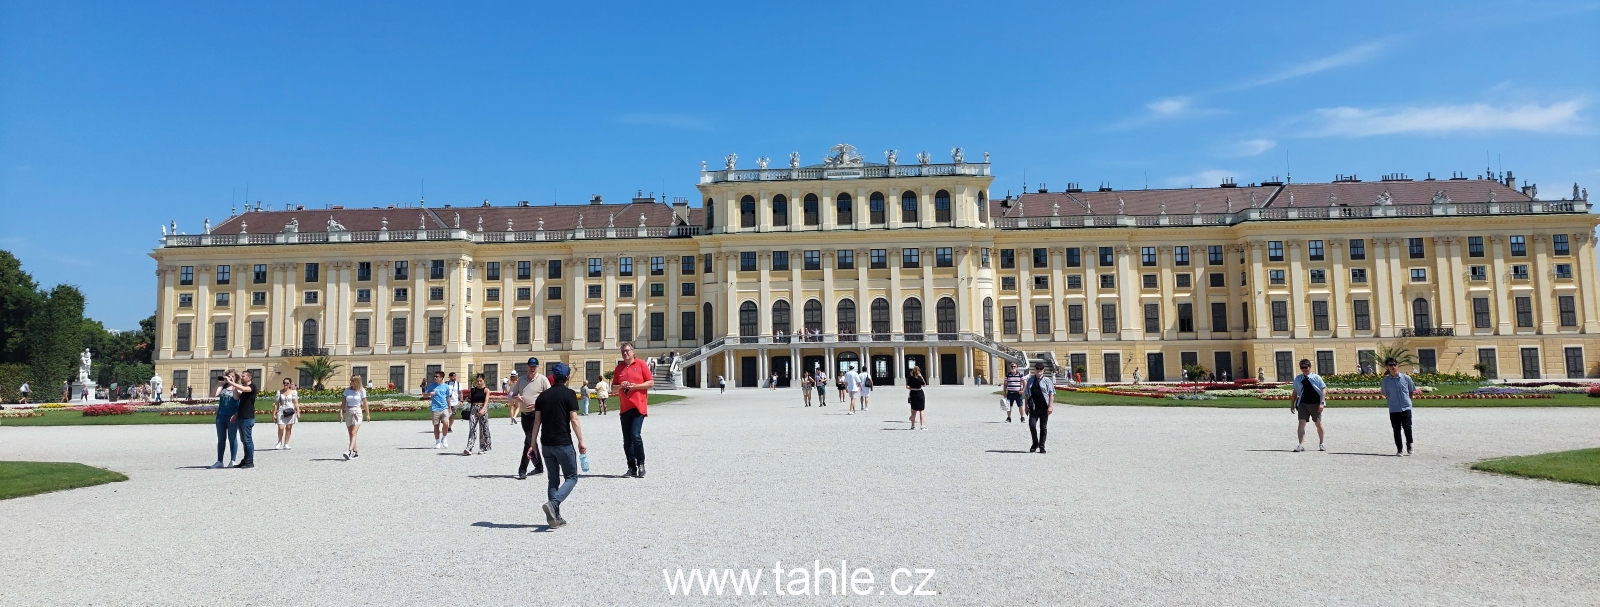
583, 461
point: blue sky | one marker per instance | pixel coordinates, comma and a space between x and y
117, 117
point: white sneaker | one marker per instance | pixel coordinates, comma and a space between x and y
1322, 447
216, 465
445, 442
436, 444
230, 463
278, 446
347, 455
286, 445
1299, 448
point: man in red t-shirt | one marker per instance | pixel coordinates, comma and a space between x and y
633, 381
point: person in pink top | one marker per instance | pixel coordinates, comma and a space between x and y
632, 381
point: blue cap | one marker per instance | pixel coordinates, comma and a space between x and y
533, 361
560, 370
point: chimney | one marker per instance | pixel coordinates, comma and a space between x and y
595, 200
1511, 181
680, 209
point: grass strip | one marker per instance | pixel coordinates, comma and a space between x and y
1581, 466
19, 479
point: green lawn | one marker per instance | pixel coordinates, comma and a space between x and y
69, 417
1581, 466
1251, 402
18, 479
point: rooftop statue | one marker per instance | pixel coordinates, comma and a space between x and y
731, 161
842, 155
924, 158
893, 156
244, 227
422, 221
457, 221
611, 221
334, 226
1384, 199
207, 228
761, 162
580, 221
1440, 197
386, 223
1120, 205
956, 156
292, 226
641, 220
794, 160
541, 224
480, 223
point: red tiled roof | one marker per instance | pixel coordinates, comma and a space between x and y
1216, 200
564, 217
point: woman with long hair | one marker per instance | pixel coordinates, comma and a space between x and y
478, 417
914, 384
355, 403
227, 394
866, 389
286, 411
805, 387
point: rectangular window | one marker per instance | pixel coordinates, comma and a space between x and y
1041, 257
1419, 275
1180, 255
983, 257
1563, 270
526, 293
313, 272
397, 376
1319, 277
1314, 249
1219, 317
1324, 362
1275, 276
1186, 318
1008, 259
1480, 312
944, 257
1074, 257
436, 269
1218, 279
625, 266
183, 337
397, 332
1008, 283
1519, 246
402, 270
1280, 316
780, 261
1427, 360
595, 291
222, 300
625, 291
1244, 316
1478, 272
258, 335
491, 294
686, 265
1574, 360
686, 328
224, 274
491, 331
1041, 282
1319, 316
1284, 366
1214, 254
1183, 281
1147, 256
1358, 275
1519, 272
435, 293
435, 330
492, 271
658, 289
1152, 318
1488, 358
524, 270
596, 267
259, 276
1075, 319
910, 258
1569, 310
706, 266
1108, 318
1358, 248
1108, 281
1074, 281
311, 297
525, 331
1415, 248
186, 275
688, 289
880, 259
811, 260
1475, 246
1041, 320
1008, 320
846, 259
658, 266
625, 326
219, 336
363, 332
658, 326
552, 329
552, 269
592, 328
1363, 314
1107, 257
1560, 244
1275, 250
1151, 281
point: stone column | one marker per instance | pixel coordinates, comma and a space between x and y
1297, 291
1202, 291
1025, 323
380, 324
1260, 311
1058, 299
1340, 283
1585, 268
1381, 298
1461, 298
1128, 291
1445, 293
1169, 307
419, 310
1501, 279
1091, 293
1542, 284
830, 324
508, 304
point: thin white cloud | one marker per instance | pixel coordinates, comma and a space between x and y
1167, 108
1250, 147
671, 121
1204, 179
1354, 55
1560, 117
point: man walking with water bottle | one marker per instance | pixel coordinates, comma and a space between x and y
555, 419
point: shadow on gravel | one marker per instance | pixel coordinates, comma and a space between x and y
414, 448
489, 525
897, 428
492, 476
193, 468
1272, 450
330, 459
1005, 451
587, 475
1371, 454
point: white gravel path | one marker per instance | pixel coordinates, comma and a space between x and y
1132, 506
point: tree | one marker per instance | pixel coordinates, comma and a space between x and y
54, 337
19, 299
320, 368
1399, 354
1193, 372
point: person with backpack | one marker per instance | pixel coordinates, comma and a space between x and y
1398, 389
1307, 399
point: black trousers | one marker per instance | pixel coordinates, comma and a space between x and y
1039, 425
1401, 421
527, 443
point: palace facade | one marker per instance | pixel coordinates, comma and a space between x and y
884, 266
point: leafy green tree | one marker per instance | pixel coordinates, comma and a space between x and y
320, 368
19, 299
54, 337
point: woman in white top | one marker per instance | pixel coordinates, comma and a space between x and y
355, 403
603, 392
287, 411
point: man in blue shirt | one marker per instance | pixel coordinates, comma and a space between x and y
1307, 399
1398, 389
439, 393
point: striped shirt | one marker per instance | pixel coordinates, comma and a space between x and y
1014, 382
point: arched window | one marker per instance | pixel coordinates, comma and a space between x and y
749, 322
988, 317
708, 323
875, 207
908, 207
880, 319
747, 212
780, 210
810, 209
983, 207
847, 320
846, 207
780, 319
941, 206
308, 334
711, 213
944, 314
911, 318
813, 316
1420, 318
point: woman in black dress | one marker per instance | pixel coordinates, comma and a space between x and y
914, 384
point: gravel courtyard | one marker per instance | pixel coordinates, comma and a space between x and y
1132, 506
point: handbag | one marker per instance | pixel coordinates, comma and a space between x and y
287, 413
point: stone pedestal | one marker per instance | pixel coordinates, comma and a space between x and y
83, 392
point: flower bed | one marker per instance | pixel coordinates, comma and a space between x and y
1192, 396
1594, 392
20, 414
103, 410
1467, 396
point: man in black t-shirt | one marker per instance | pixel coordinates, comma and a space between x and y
244, 422
555, 420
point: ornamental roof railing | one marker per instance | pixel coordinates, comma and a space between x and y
457, 235
1448, 209
870, 171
